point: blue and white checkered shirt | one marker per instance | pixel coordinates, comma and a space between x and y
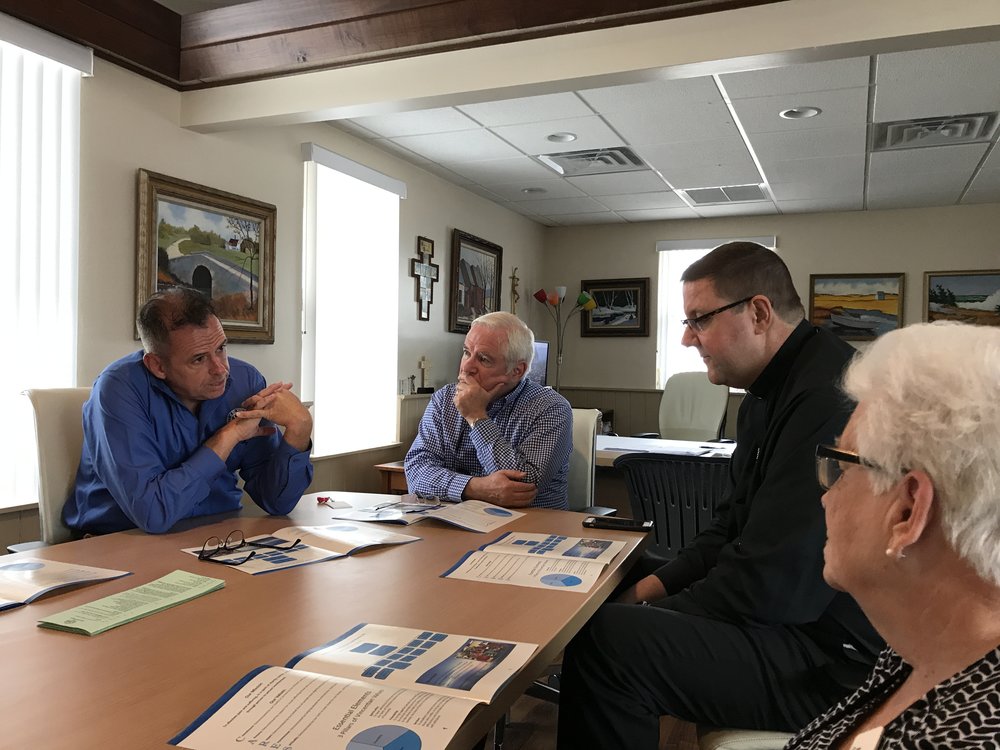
530, 430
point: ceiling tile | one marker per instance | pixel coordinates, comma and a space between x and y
737, 209
657, 214
937, 82
915, 200
664, 111
465, 145
555, 188
527, 109
443, 120
807, 144
558, 206
852, 188
989, 195
497, 171
531, 138
987, 180
815, 206
703, 164
619, 183
642, 200
795, 79
605, 218
828, 169
905, 168
841, 108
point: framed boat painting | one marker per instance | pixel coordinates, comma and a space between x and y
856, 306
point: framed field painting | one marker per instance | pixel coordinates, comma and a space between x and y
856, 306
622, 307
475, 280
217, 242
963, 296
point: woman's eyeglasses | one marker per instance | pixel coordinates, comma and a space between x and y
828, 464
214, 547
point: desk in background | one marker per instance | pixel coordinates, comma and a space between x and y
393, 478
138, 685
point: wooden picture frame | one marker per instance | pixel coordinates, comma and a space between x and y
962, 296
856, 306
622, 307
474, 288
221, 243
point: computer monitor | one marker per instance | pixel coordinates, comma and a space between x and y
540, 364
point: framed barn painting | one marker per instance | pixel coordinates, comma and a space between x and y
475, 280
217, 242
856, 306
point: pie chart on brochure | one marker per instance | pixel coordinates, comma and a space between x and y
561, 579
385, 737
497, 512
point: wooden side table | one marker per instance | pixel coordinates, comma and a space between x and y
393, 478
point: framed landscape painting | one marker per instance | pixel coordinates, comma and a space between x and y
963, 296
475, 280
856, 306
622, 307
219, 243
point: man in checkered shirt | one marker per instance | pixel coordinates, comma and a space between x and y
494, 435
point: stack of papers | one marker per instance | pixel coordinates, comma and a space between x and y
376, 686
544, 561
111, 611
316, 544
22, 580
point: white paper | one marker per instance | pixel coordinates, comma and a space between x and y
473, 515
24, 579
558, 574
556, 545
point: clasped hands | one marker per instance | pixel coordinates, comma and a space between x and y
277, 404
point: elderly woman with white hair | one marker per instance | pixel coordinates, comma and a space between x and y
913, 533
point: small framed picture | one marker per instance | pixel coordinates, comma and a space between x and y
963, 296
475, 280
622, 307
856, 306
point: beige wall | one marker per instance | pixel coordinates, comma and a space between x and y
130, 122
908, 241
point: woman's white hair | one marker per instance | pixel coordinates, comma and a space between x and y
931, 395
520, 339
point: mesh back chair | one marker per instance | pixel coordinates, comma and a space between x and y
677, 493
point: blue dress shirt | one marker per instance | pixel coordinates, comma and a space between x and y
145, 464
530, 430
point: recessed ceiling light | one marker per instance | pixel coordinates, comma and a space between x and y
562, 137
799, 113
533, 190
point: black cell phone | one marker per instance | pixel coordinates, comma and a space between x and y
620, 524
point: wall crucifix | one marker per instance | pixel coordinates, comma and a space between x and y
425, 274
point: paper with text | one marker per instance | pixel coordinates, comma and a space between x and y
24, 579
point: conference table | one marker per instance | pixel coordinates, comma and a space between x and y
138, 685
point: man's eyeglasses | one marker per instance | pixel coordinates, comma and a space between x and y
701, 322
828, 460
214, 547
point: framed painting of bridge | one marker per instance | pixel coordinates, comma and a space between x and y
856, 306
217, 242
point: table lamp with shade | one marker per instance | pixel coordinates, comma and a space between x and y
553, 302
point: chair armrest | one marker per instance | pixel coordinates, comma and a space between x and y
646, 435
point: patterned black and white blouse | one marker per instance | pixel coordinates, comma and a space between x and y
961, 712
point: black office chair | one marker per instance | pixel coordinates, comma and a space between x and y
678, 493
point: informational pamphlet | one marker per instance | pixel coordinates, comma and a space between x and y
376, 686
118, 609
313, 544
24, 579
545, 561
473, 515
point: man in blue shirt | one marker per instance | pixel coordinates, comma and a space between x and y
166, 429
494, 435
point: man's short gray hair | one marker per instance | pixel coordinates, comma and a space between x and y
931, 393
520, 339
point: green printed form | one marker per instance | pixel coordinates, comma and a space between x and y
111, 611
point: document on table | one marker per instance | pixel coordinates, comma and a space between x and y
376, 686
545, 561
22, 580
118, 609
473, 515
313, 544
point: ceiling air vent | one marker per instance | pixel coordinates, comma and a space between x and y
934, 131
593, 161
723, 195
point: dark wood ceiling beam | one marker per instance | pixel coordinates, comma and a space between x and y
141, 35
277, 37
